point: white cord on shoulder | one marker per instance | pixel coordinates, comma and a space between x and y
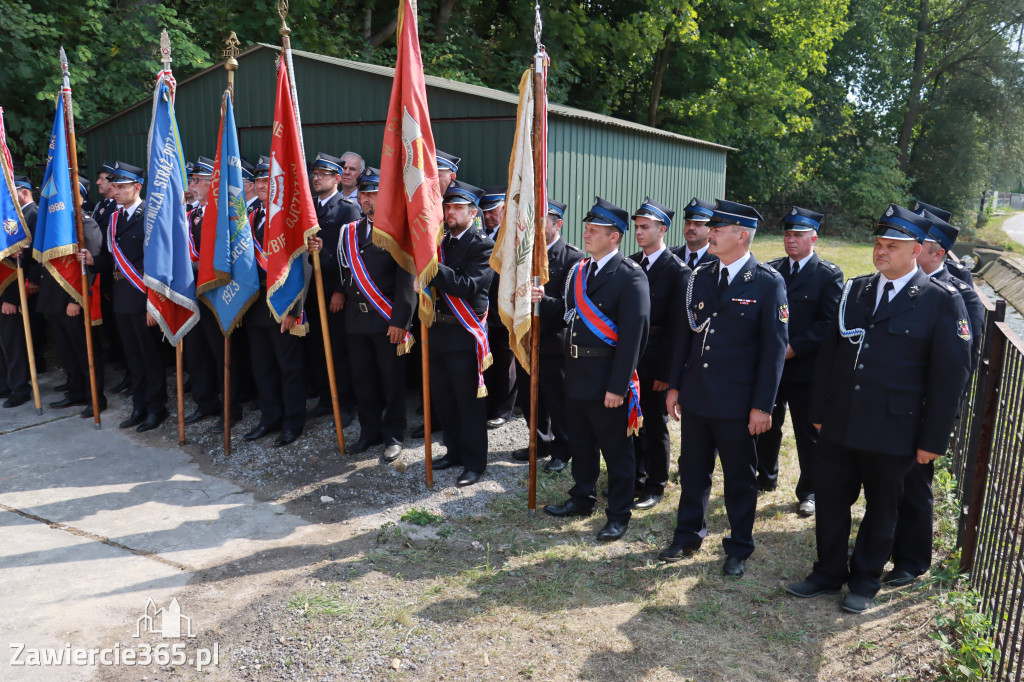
689, 300
854, 336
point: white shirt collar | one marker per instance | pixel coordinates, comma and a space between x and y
897, 284
607, 257
653, 257
938, 269
130, 210
736, 266
700, 253
557, 237
802, 261
324, 201
353, 196
251, 201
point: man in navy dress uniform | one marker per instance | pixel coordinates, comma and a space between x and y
500, 377
552, 436
813, 287
380, 301
608, 307
887, 387
666, 279
14, 384
955, 267
695, 233
726, 370
458, 337
912, 545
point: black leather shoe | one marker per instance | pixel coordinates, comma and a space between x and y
260, 431
805, 589
322, 408
897, 577
152, 421
66, 402
15, 401
647, 501
134, 419
733, 567
87, 412
856, 603
286, 438
60, 388
555, 466
198, 416
766, 486
442, 463
613, 530
568, 508
363, 444
391, 452
122, 385
523, 454
676, 552
467, 477
496, 423
219, 426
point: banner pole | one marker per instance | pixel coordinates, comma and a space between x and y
28, 336
69, 128
427, 441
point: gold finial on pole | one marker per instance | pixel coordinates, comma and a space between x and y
231, 64
282, 10
165, 49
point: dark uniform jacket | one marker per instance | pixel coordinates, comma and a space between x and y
394, 281
332, 216
101, 214
960, 271
680, 253
130, 236
259, 313
902, 391
561, 257
666, 281
53, 299
813, 297
735, 364
975, 309
620, 291
466, 274
195, 226
11, 293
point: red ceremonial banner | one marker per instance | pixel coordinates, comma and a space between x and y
408, 214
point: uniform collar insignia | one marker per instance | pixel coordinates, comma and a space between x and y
748, 276
913, 290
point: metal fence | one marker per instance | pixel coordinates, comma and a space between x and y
988, 462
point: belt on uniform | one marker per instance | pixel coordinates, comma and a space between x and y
656, 331
363, 308
590, 351
118, 275
446, 319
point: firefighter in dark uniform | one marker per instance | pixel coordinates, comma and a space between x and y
15, 382
912, 544
725, 373
666, 278
333, 211
458, 353
106, 205
123, 252
500, 377
955, 267
695, 233
101, 214
204, 344
608, 308
276, 350
552, 436
813, 287
380, 301
65, 316
890, 374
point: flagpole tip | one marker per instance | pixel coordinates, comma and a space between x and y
231, 51
165, 47
282, 11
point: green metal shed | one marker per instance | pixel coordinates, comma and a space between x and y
344, 104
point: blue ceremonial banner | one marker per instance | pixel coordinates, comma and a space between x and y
228, 281
55, 225
170, 282
15, 232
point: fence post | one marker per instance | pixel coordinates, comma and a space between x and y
978, 461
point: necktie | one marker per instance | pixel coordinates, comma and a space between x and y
691, 262
645, 263
591, 272
723, 282
793, 270
886, 293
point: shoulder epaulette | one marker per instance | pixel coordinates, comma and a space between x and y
631, 263
770, 269
775, 262
828, 264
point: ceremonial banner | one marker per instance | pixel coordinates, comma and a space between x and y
170, 282
55, 242
291, 217
512, 256
408, 214
228, 281
14, 235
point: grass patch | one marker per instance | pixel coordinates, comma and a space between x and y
311, 605
422, 517
992, 231
852, 256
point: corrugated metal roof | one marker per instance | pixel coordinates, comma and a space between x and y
446, 84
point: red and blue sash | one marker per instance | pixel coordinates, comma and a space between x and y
193, 252
380, 302
606, 330
261, 257
123, 264
475, 326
